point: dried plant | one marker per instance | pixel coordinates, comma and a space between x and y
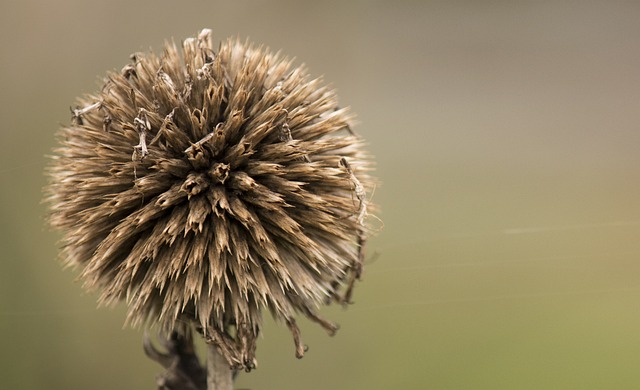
206, 186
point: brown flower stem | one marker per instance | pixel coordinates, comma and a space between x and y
219, 374
183, 371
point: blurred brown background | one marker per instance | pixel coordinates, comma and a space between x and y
507, 138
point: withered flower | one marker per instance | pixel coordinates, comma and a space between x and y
203, 187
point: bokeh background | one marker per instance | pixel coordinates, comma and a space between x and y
507, 138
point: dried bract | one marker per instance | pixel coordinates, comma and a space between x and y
203, 187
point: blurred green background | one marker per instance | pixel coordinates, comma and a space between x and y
506, 136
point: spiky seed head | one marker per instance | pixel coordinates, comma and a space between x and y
203, 187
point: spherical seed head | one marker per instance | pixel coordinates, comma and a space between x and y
206, 186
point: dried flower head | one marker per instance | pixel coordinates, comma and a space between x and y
204, 187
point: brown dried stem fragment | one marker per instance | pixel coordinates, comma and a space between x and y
297, 339
142, 126
76, 114
183, 370
355, 270
329, 326
163, 128
359, 192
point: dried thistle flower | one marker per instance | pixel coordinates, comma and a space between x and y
205, 187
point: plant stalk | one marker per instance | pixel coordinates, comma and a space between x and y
219, 374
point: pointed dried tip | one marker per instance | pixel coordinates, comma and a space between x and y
205, 34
